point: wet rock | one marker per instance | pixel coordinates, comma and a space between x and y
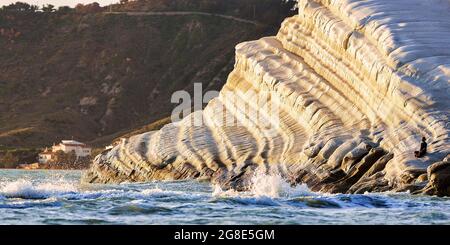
379, 165
439, 179
374, 183
355, 156
422, 178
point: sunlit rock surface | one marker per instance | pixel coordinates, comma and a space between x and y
356, 85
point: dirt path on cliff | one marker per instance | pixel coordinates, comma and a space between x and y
175, 13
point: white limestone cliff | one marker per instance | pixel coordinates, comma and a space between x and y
357, 85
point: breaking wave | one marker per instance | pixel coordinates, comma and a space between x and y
274, 185
61, 188
26, 189
59, 198
265, 189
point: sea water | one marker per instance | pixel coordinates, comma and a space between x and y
58, 197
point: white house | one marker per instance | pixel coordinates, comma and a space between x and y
80, 149
67, 146
45, 156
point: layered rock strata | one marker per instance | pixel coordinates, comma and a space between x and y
355, 84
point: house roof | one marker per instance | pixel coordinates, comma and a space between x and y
46, 153
72, 142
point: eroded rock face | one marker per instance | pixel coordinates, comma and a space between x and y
438, 175
356, 83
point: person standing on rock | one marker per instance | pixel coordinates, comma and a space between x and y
423, 149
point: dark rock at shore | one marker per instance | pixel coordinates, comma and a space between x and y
439, 178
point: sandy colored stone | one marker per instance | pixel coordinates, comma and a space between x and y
347, 76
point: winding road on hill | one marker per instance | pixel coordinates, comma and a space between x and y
174, 13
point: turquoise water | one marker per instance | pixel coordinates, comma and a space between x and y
57, 197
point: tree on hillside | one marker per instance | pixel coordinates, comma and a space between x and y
20, 7
65, 9
8, 160
59, 159
69, 160
48, 8
88, 8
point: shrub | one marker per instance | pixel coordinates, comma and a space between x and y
68, 161
88, 8
48, 8
8, 160
20, 7
65, 9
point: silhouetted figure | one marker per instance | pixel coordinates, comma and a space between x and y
423, 149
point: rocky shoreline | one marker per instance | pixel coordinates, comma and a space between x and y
357, 85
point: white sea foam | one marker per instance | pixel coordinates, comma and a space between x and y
26, 189
62, 199
151, 191
157, 192
274, 185
61, 188
266, 185
96, 194
154, 192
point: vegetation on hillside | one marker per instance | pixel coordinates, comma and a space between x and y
12, 157
270, 12
157, 125
83, 73
22, 7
